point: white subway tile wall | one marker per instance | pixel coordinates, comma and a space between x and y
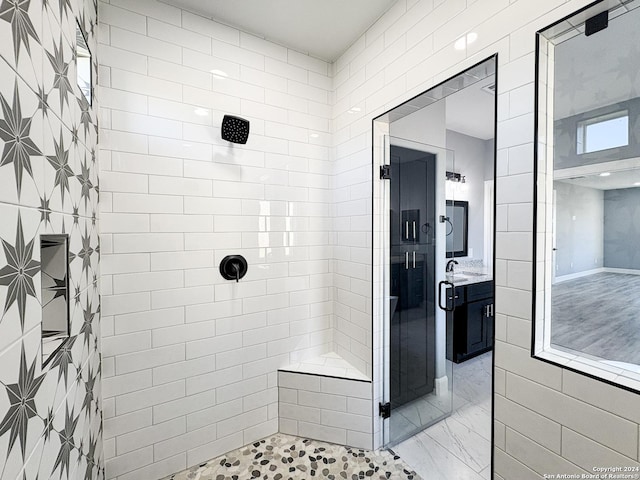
324, 408
190, 359
545, 417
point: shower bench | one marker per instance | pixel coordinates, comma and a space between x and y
325, 398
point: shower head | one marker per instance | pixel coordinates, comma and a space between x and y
235, 129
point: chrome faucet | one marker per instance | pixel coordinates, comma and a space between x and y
450, 265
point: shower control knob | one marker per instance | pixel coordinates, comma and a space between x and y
233, 267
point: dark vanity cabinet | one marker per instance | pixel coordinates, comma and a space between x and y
470, 325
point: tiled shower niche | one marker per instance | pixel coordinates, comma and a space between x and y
54, 279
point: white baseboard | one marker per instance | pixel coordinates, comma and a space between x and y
586, 273
572, 276
628, 271
442, 385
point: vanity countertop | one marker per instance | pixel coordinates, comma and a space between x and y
470, 275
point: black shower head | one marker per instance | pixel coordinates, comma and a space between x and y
235, 129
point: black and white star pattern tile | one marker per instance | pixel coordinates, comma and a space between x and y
21, 22
21, 127
51, 416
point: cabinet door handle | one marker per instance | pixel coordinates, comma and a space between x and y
486, 310
406, 260
414, 229
406, 230
414, 259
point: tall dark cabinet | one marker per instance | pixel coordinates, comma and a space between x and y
412, 216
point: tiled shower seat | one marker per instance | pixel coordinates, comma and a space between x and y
325, 398
330, 364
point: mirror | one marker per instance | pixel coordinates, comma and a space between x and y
83, 63
457, 213
54, 255
588, 187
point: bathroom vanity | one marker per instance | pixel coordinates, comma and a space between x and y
470, 325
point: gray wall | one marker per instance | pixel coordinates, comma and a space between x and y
489, 167
579, 228
474, 160
622, 228
565, 137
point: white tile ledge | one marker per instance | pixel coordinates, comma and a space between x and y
328, 365
614, 372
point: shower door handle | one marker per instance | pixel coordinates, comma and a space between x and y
446, 308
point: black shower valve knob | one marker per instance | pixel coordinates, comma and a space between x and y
233, 267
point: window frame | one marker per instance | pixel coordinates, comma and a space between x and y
541, 258
583, 125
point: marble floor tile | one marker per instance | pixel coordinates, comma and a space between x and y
458, 447
421, 413
432, 461
443, 402
402, 427
464, 443
476, 418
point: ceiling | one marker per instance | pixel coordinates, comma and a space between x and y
610, 175
468, 108
321, 28
617, 180
469, 102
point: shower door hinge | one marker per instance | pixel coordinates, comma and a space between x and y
385, 410
385, 172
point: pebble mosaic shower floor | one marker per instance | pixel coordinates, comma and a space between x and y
284, 457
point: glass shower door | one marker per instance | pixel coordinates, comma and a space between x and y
418, 376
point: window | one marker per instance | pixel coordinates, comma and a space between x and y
603, 132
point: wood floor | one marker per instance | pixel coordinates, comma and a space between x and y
598, 315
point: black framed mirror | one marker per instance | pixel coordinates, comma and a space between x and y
458, 221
